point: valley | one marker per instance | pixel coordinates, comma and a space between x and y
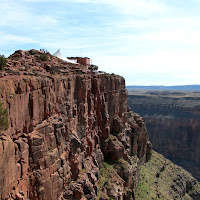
173, 123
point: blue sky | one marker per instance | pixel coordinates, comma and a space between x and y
149, 42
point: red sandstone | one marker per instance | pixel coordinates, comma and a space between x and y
60, 128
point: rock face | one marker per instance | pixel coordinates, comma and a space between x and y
173, 124
63, 126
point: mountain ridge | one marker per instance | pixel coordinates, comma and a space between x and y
162, 87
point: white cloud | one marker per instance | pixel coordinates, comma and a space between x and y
138, 8
15, 39
131, 7
144, 39
17, 15
166, 67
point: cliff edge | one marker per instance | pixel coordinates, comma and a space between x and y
69, 126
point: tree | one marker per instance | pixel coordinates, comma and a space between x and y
43, 57
2, 62
93, 67
3, 118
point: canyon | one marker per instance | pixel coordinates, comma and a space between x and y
73, 136
65, 123
173, 123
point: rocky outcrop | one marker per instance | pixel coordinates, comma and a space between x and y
173, 124
8, 167
64, 123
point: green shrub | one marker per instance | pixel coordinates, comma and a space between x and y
53, 70
3, 118
26, 68
35, 73
33, 52
93, 67
2, 62
43, 57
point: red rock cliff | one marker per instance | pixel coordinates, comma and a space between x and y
60, 133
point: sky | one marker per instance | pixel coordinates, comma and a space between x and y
148, 42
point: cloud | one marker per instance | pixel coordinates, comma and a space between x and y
18, 15
141, 8
142, 39
138, 8
15, 39
165, 67
131, 7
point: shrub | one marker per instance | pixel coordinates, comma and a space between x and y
53, 70
35, 73
26, 68
43, 57
3, 118
33, 52
93, 67
2, 62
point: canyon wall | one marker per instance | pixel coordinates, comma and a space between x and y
173, 124
63, 128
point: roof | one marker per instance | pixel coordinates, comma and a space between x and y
59, 55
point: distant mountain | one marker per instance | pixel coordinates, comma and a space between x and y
161, 87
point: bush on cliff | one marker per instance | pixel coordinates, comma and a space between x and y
2, 62
43, 57
93, 67
3, 118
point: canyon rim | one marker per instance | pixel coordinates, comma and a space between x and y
65, 124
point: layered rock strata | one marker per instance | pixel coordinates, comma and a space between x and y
63, 126
173, 124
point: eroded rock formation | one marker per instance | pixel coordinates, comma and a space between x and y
173, 124
64, 123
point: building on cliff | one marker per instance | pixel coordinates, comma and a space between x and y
82, 60
59, 55
85, 61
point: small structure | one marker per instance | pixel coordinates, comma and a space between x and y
83, 61
59, 55
75, 60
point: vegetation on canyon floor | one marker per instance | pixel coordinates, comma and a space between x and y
107, 172
161, 179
